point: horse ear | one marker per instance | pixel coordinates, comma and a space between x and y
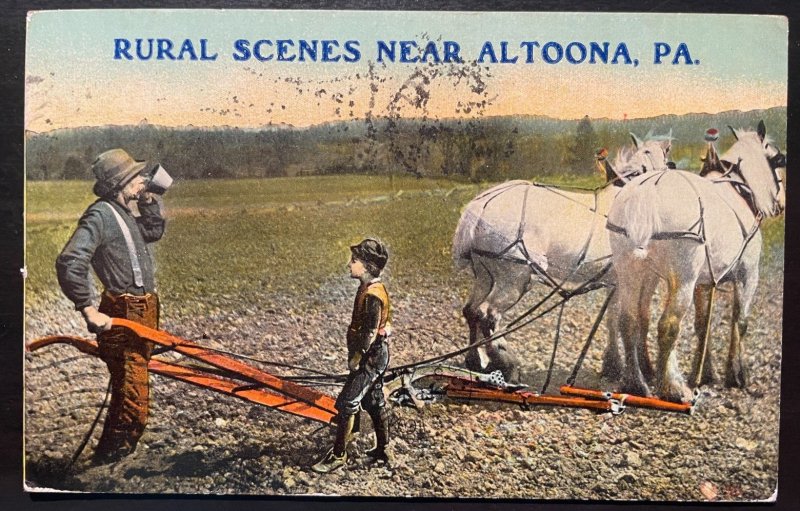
667, 144
762, 130
636, 141
734, 132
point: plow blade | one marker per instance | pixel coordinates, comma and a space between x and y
629, 400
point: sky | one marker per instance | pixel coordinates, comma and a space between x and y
716, 63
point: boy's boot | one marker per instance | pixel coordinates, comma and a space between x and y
336, 456
380, 419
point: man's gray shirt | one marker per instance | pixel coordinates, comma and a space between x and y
98, 243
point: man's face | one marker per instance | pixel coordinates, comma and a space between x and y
357, 268
133, 189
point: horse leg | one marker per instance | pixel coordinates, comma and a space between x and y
702, 367
633, 381
476, 358
743, 292
679, 295
646, 291
511, 282
613, 365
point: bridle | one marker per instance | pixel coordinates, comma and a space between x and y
776, 161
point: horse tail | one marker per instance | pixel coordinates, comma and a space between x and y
639, 216
463, 238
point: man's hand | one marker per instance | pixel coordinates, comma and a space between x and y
147, 198
96, 321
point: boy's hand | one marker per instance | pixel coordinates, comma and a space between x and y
354, 361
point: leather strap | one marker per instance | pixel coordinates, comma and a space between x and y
126, 233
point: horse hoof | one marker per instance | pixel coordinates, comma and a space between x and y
677, 393
473, 363
648, 373
636, 388
736, 380
708, 378
511, 375
612, 370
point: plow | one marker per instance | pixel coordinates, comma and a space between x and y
412, 385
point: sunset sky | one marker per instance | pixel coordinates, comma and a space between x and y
72, 78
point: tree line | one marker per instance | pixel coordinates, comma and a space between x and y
484, 148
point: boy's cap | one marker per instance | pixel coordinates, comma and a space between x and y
372, 252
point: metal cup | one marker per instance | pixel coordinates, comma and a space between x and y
160, 181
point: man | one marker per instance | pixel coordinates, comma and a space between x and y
368, 357
605, 168
114, 242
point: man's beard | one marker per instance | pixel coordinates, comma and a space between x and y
130, 197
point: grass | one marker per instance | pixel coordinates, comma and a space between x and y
252, 237
226, 237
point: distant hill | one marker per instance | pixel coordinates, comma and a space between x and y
476, 149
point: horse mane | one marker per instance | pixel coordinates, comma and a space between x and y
629, 160
748, 151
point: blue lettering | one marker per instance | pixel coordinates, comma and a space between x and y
139, 49
241, 49
451, 52
204, 51
487, 51
405, 52
571, 58
257, 50
504, 54
353, 53
662, 50
682, 52
187, 47
552, 59
122, 48
328, 48
283, 49
165, 49
432, 51
622, 51
595, 52
384, 49
309, 49
529, 46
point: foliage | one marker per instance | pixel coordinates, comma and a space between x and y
583, 149
479, 149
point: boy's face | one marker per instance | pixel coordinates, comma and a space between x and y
357, 268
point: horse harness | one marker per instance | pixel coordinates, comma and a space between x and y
696, 231
519, 243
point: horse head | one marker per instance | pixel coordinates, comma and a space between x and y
761, 164
646, 155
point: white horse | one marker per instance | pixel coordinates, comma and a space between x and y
693, 233
518, 232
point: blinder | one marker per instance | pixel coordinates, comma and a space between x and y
777, 161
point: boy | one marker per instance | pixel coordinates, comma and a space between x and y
367, 357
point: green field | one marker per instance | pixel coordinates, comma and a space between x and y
234, 238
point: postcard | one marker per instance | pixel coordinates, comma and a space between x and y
467, 255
